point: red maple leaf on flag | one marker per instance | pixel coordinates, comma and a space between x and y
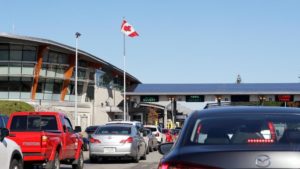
127, 28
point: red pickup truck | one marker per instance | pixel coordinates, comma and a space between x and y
47, 139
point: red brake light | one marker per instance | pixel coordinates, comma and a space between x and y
128, 140
163, 166
263, 141
182, 166
92, 140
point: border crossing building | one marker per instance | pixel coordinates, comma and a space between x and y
41, 73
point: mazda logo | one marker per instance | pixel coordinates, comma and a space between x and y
263, 161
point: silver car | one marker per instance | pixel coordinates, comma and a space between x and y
117, 140
151, 141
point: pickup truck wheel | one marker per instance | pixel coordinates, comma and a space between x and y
79, 165
15, 164
56, 162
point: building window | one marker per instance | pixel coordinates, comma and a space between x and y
49, 86
81, 74
71, 88
103, 78
14, 84
62, 58
40, 87
82, 63
52, 57
92, 75
26, 84
57, 86
4, 52
29, 53
16, 52
4, 85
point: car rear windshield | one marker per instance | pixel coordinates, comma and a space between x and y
114, 130
33, 123
153, 129
262, 129
91, 129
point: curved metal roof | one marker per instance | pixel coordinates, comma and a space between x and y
66, 47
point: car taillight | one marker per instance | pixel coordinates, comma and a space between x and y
128, 140
93, 140
183, 166
258, 141
44, 140
157, 135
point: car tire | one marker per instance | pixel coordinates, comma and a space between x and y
80, 163
144, 157
93, 159
56, 162
136, 159
15, 164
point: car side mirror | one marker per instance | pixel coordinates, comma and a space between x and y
165, 148
3, 133
77, 129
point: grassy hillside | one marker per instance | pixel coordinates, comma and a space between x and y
8, 107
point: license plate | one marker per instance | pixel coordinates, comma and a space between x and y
109, 150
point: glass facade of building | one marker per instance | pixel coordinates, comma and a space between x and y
17, 66
17, 63
20, 59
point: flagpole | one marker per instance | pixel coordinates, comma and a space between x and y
77, 34
124, 75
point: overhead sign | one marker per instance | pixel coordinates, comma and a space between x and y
194, 98
284, 98
149, 99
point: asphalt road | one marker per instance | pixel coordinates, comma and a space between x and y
151, 163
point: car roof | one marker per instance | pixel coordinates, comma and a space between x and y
117, 125
220, 111
37, 113
124, 122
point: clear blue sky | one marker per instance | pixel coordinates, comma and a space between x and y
181, 41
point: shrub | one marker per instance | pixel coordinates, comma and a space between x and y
8, 107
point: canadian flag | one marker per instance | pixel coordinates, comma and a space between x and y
128, 30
